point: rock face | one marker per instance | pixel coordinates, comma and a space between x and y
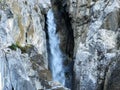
13, 71
96, 25
89, 32
28, 22
23, 49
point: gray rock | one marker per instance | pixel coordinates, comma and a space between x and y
96, 41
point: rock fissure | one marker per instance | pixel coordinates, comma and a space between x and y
65, 34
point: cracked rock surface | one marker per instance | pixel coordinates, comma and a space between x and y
95, 29
96, 25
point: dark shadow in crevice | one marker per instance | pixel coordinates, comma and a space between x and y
66, 35
47, 41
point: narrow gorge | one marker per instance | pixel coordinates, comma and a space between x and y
59, 44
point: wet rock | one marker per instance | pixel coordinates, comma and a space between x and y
64, 28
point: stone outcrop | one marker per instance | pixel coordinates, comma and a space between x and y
24, 72
27, 23
96, 26
23, 49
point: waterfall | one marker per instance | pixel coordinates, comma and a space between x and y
56, 58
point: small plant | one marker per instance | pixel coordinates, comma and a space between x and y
13, 47
23, 49
0, 1
0, 17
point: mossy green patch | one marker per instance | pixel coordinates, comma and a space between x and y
23, 49
0, 17
13, 47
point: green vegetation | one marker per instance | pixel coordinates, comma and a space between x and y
23, 49
0, 17
1, 1
13, 47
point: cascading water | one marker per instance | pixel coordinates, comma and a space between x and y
56, 58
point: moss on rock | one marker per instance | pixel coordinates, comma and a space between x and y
23, 49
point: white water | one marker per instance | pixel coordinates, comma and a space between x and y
56, 55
